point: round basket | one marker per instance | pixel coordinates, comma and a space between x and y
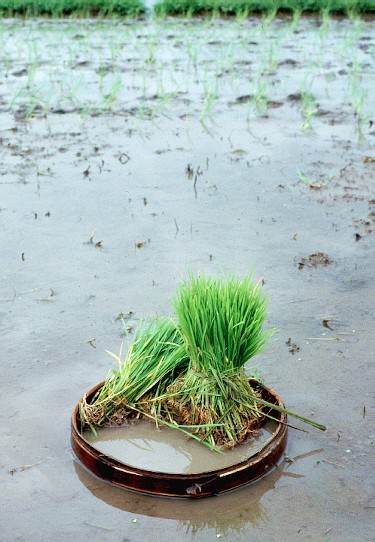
195, 485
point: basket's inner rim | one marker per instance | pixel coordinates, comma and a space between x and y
80, 442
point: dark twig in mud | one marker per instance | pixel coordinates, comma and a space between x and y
189, 171
26, 467
293, 347
333, 463
49, 297
298, 301
324, 339
97, 244
96, 526
195, 187
288, 459
326, 322
124, 315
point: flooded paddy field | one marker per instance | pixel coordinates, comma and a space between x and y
133, 152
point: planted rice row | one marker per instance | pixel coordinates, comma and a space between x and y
243, 7
59, 8
63, 8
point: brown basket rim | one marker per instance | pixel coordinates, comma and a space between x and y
201, 484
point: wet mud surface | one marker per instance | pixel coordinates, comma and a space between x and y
133, 153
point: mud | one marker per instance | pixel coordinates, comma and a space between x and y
134, 152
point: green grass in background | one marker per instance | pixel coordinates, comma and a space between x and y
235, 7
59, 8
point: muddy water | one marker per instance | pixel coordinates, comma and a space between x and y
131, 154
144, 446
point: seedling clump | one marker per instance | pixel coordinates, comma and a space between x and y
221, 326
189, 372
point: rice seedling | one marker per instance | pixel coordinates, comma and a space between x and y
314, 184
151, 46
359, 95
325, 23
162, 103
221, 325
358, 87
152, 361
308, 108
210, 98
258, 100
112, 95
160, 90
295, 19
242, 15
271, 60
267, 18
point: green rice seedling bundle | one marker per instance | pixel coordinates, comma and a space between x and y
150, 365
189, 373
221, 323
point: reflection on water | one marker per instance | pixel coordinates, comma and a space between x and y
143, 445
232, 511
